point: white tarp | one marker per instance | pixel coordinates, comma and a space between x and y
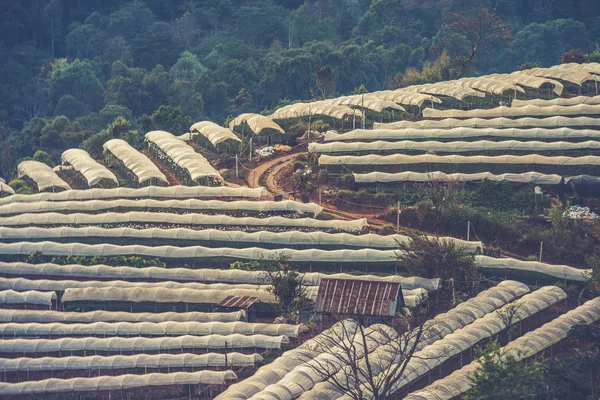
288, 206
183, 155
92, 171
573, 101
463, 133
403, 159
196, 277
558, 271
102, 383
451, 147
251, 253
136, 162
296, 238
142, 345
515, 112
530, 344
33, 297
256, 122
152, 361
213, 132
549, 122
180, 219
22, 316
44, 177
150, 192
168, 328
438, 176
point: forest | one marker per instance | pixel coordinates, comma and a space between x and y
69, 68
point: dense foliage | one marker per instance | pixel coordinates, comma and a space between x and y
69, 68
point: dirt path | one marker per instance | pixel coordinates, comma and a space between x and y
255, 175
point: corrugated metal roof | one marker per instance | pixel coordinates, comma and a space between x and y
238, 301
342, 296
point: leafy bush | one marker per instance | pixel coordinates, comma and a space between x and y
298, 165
347, 180
387, 230
20, 186
132, 261
322, 177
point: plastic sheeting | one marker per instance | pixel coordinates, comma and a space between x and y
404, 97
288, 238
32, 297
558, 271
439, 327
514, 112
573, 101
462, 133
430, 357
569, 74
403, 159
44, 177
451, 147
154, 192
526, 346
22, 316
325, 108
213, 132
5, 189
256, 122
91, 170
535, 178
197, 252
549, 122
136, 162
445, 89
359, 101
180, 219
101, 383
289, 206
196, 276
152, 361
142, 345
529, 81
488, 84
168, 328
183, 155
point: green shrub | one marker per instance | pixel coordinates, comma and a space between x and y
347, 180
320, 125
387, 230
20, 186
297, 165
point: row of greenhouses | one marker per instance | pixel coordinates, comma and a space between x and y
189, 205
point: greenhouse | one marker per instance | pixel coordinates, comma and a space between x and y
529, 81
215, 137
488, 85
549, 122
42, 176
186, 163
136, 345
534, 178
147, 219
149, 192
256, 122
557, 134
569, 74
196, 276
215, 237
465, 339
457, 163
318, 108
94, 173
573, 101
338, 259
443, 324
445, 89
16, 367
217, 206
558, 271
271, 373
23, 316
515, 112
359, 101
482, 146
528, 345
143, 170
403, 97
149, 329
75, 386
30, 297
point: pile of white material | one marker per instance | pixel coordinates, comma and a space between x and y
577, 212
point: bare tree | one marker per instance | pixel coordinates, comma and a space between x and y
507, 314
34, 99
367, 362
